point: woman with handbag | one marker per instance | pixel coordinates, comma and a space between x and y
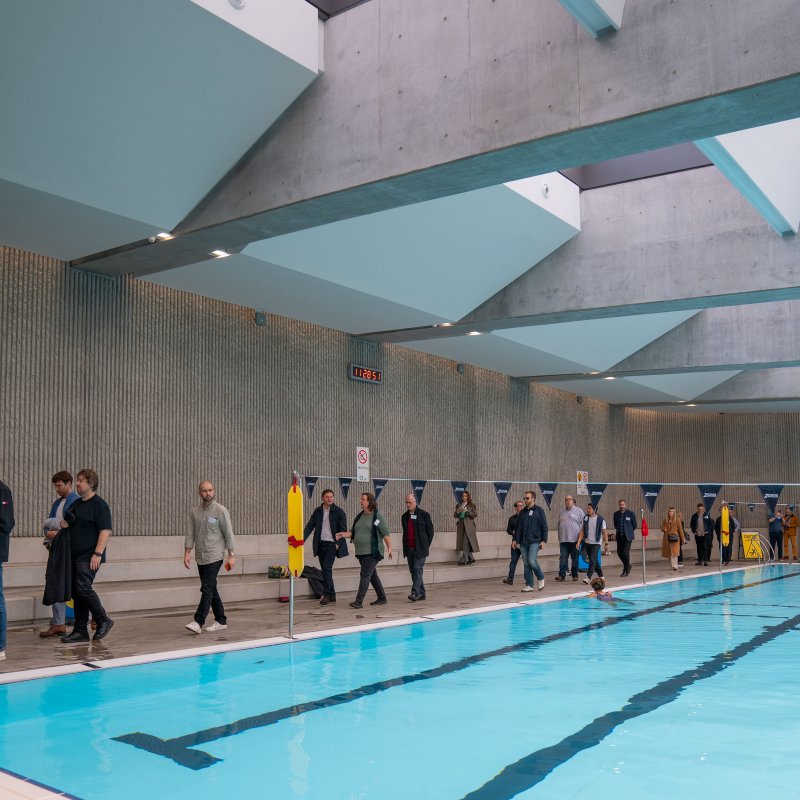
466, 530
673, 538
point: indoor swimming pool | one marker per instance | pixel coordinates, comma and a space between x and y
677, 686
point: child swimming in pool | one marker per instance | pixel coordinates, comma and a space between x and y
598, 585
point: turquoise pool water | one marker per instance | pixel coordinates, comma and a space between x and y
687, 688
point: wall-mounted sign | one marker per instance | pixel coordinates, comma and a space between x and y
362, 464
366, 374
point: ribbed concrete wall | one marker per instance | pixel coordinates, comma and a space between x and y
157, 389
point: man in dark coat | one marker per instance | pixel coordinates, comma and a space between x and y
6, 526
417, 530
511, 529
625, 527
326, 521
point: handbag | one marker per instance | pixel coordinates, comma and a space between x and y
673, 537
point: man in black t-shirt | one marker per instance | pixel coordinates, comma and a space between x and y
89, 524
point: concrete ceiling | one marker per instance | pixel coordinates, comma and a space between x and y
123, 120
116, 121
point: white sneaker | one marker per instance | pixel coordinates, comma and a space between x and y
586, 581
2, 655
527, 589
194, 627
214, 626
541, 584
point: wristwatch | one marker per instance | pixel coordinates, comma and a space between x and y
99, 555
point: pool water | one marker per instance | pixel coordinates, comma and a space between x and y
686, 688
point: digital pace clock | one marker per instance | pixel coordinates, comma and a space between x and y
358, 373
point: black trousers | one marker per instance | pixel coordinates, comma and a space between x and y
327, 558
369, 575
624, 551
209, 596
703, 548
84, 597
592, 551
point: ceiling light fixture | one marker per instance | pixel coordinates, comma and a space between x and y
474, 333
219, 253
691, 405
609, 378
164, 236
446, 325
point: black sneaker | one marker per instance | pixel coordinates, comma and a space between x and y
560, 578
381, 601
324, 600
413, 598
508, 581
356, 604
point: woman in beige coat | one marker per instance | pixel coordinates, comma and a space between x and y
673, 538
466, 531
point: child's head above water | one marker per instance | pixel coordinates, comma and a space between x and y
598, 584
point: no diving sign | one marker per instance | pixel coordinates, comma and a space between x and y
362, 464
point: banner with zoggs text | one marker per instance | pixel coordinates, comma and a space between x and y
708, 494
651, 492
501, 489
548, 490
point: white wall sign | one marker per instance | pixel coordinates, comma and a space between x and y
583, 479
362, 464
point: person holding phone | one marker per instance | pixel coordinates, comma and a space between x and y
466, 530
209, 535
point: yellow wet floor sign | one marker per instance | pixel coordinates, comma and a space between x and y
295, 542
751, 542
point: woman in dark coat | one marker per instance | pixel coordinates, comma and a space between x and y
466, 531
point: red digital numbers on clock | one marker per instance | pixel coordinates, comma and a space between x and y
365, 374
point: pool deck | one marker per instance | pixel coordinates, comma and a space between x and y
138, 638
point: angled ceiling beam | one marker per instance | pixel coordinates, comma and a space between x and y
762, 384
728, 338
764, 165
675, 242
597, 17
499, 94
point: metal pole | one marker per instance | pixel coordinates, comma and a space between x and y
644, 555
291, 606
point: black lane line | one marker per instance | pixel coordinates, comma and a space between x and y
532, 769
180, 749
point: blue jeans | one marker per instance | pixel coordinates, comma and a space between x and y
415, 567
567, 551
2, 612
530, 557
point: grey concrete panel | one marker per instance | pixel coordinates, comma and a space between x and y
758, 384
742, 337
682, 241
658, 70
671, 45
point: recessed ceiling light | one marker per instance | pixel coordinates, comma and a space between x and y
219, 253
691, 405
609, 378
164, 236
592, 373
474, 333
446, 325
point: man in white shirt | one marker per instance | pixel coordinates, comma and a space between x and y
570, 522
